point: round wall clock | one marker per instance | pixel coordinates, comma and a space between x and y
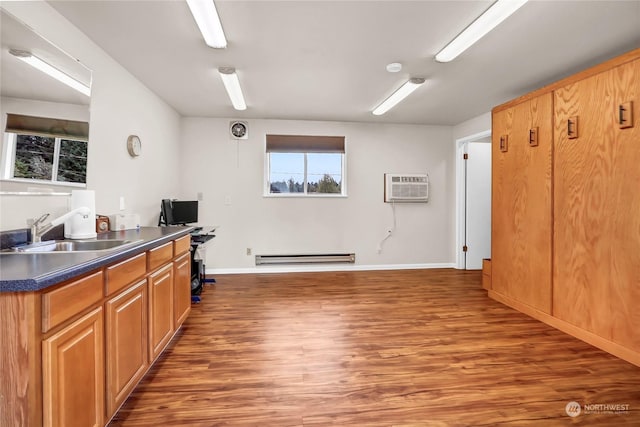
134, 145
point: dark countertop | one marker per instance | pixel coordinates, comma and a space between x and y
26, 272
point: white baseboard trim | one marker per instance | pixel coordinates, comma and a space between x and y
319, 268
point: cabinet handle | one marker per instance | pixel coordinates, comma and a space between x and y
533, 137
572, 127
504, 143
625, 115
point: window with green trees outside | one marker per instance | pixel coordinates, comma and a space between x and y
305, 165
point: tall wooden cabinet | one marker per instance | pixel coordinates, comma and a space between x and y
597, 204
522, 138
566, 207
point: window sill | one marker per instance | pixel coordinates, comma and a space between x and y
39, 183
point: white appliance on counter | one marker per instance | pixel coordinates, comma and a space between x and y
81, 226
124, 222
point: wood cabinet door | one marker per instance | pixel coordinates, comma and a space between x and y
73, 374
521, 218
127, 345
597, 207
160, 310
182, 289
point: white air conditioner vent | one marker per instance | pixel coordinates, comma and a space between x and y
406, 188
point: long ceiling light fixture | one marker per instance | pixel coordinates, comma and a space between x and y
232, 85
206, 16
491, 18
50, 70
397, 96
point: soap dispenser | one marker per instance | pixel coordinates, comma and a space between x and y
81, 226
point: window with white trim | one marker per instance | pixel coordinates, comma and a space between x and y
45, 150
305, 165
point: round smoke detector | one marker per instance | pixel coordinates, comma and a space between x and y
394, 67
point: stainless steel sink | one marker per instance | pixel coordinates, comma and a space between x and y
74, 246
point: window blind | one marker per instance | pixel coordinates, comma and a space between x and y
304, 144
44, 126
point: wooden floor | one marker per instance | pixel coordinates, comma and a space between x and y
395, 348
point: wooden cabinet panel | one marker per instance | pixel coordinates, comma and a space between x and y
124, 273
181, 245
597, 209
21, 359
126, 343
73, 374
486, 274
160, 255
182, 289
160, 310
63, 303
522, 203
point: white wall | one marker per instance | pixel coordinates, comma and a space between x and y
182, 157
120, 106
222, 168
472, 126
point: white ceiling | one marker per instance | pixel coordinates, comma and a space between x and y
325, 60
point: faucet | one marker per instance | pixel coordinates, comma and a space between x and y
38, 229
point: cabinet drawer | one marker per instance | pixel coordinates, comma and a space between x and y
121, 274
63, 303
181, 245
160, 255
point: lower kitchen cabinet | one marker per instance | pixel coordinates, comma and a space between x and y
181, 289
160, 310
73, 374
74, 351
126, 343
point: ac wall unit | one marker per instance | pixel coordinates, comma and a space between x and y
403, 188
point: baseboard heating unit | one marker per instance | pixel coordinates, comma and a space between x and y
305, 259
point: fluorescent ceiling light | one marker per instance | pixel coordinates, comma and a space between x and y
397, 96
39, 64
206, 16
486, 22
232, 85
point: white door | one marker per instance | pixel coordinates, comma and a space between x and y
478, 204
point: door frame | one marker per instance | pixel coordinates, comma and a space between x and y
461, 203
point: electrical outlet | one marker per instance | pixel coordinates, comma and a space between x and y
248, 251
121, 203
200, 196
227, 200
